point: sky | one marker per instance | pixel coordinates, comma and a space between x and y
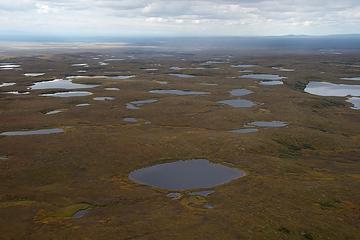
179, 18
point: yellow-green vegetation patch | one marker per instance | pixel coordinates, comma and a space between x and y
61, 213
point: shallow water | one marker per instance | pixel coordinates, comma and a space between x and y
138, 104
33, 132
208, 206
60, 84
244, 130
67, 94
243, 66
355, 101
104, 98
7, 84
81, 213
82, 105
10, 66
174, 195
281, 69
130, 120
332, 89
183, 175
272, 124
161, 82
54, 112
351, 78
246, 71
112, 89
80, 65
240, 92
271, 83
118, 77
178, 92
180, 75
18, 93
209, 84
202, 193
33, 74
269, 77
238, 103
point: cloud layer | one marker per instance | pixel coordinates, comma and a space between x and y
179, 17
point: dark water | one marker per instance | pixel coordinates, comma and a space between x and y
183, 175
33, 132
178, 92
238, 103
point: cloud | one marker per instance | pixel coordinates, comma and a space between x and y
180, 17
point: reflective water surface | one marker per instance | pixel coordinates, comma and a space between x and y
238, 103
33, 132
59, 84
185, 174
181, 75
269, 124
332, 89
355, 101
67, 94
240, 92
178, 92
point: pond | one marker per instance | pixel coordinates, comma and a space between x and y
240, 92
186, 174
59, 84
67, 94
138, 104
332, 89
355, 101
271, 124
178, 92
180, 75
238, 103
33, 132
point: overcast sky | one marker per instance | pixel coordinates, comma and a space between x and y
175, 17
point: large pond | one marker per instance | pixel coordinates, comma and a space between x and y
59, 84
332, 89
184, 175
